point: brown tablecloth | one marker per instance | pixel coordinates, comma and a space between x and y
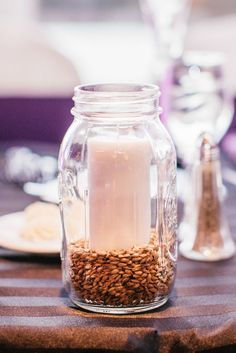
37, 316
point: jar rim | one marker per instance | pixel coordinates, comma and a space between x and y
124, 89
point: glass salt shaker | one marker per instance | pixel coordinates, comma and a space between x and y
117, 188
204, 231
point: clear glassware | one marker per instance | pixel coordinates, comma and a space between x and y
204, 230
199, 102
117, 187
168, 21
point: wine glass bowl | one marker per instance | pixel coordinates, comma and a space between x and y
198, 101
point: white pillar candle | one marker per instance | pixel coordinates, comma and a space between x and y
119, 214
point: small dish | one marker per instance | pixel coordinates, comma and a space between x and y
10, 237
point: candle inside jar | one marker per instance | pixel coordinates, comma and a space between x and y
119, 214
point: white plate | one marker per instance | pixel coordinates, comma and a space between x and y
10, 238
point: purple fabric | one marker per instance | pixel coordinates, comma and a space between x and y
38, 119
233, 126
47, 119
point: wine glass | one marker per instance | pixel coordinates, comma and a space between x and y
199, 101
168, 22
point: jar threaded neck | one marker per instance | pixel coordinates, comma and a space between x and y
116, 101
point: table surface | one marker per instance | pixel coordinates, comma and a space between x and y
37, 316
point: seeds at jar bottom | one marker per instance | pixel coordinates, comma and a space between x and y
121, 277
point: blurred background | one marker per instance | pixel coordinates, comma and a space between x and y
49, 46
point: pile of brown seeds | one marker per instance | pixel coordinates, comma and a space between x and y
120, 277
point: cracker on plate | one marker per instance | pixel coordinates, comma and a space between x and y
42, 222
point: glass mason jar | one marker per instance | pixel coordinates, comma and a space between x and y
117, 186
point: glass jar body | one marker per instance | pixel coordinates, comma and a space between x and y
117, 186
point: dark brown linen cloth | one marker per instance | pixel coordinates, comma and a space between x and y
37, 316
